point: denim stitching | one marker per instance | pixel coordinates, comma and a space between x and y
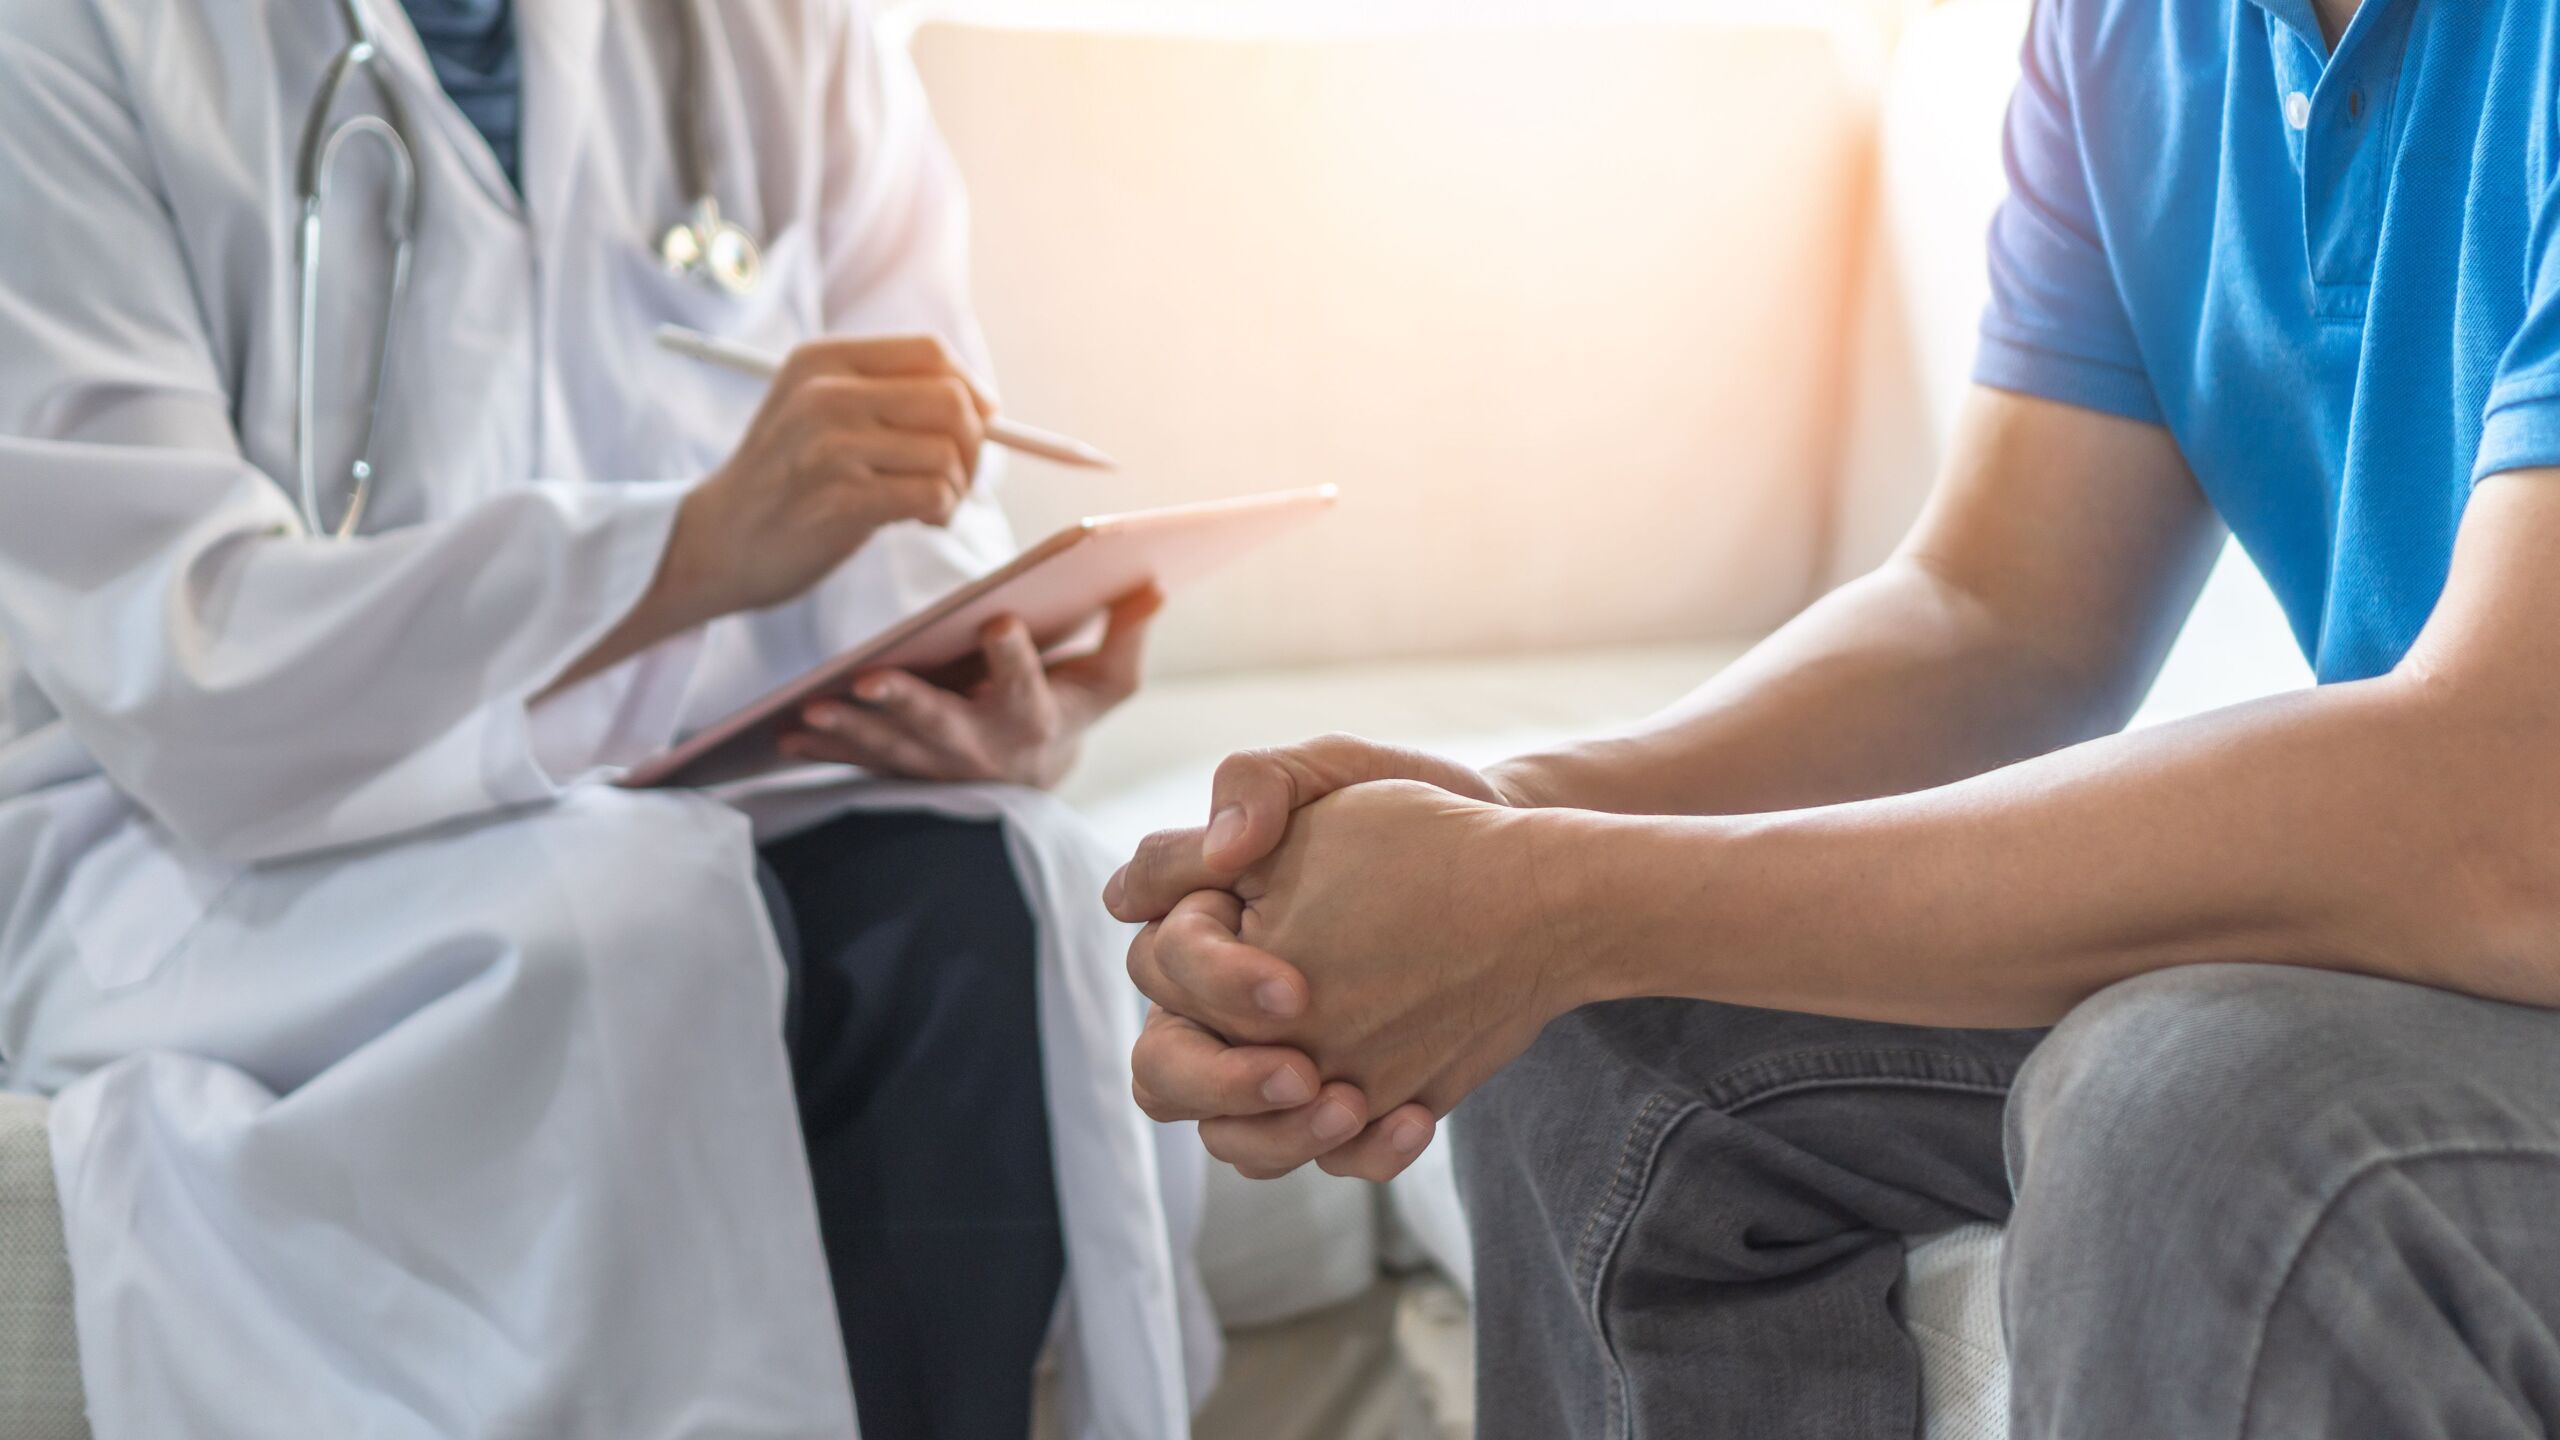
2321, 1215
1639, 1136
1764, 1079
1636, 1161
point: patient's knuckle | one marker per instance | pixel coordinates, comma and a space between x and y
1147, 867
1338, 744
1174, 953
1239, 771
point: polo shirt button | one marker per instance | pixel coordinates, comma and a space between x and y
2297, 110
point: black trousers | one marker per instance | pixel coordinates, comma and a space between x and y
915, 1048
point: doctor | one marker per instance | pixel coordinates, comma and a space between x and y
409, 1081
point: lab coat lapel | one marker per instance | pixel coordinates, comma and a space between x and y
561, 39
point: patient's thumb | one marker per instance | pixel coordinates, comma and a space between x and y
1249, 805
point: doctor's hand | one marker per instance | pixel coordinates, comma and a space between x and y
1394, 947
1023, 724
854, 435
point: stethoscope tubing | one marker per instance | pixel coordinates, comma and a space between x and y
703, 244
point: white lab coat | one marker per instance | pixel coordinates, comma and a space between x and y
410, 1082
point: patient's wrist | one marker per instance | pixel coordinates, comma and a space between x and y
1577, 905
1526, 782
1642, 905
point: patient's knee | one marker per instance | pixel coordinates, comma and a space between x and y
2165, 1100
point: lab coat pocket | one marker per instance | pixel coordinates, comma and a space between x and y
134, 896
778, 310
700, 410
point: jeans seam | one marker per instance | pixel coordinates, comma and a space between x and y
2320, 1217
1767, 1079
1637, 1160
1643, 1135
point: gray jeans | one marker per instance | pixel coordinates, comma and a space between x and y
2249, 1201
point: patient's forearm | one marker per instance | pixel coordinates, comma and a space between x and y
2029, 609
1894, 683
2376, 827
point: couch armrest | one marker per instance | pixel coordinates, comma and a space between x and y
39, 1356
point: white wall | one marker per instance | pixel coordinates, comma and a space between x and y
1557, 294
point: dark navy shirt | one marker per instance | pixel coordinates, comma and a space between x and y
473, 46
2335, 277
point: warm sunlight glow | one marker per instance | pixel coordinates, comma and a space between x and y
1529, 287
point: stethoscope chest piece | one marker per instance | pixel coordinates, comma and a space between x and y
705, 246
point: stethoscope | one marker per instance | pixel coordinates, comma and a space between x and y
703, 245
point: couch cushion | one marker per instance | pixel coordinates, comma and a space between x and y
39, 1358
1951, 1305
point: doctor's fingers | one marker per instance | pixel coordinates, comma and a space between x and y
928, 406
1111, 673
870, 477
1016, 682
910, 356
863, 499
841, 734
940, 719
1180, 1071
941, 410
1192, 963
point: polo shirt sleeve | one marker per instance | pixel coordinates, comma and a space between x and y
2521, 430
2056, 326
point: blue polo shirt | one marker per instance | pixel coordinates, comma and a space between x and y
2335, 277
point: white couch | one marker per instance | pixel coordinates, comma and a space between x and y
1626, 327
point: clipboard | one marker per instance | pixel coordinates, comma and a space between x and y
1058, 587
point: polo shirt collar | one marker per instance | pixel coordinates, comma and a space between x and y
2303, 18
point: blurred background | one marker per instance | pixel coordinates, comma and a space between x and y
1627, 327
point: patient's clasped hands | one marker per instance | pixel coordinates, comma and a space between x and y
1360, 937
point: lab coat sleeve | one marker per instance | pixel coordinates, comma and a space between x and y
260, 693
894, 246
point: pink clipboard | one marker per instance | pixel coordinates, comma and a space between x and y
1057, 587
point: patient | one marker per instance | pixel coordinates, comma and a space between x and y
1732, 1006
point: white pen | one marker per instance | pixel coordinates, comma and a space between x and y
1012, 435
